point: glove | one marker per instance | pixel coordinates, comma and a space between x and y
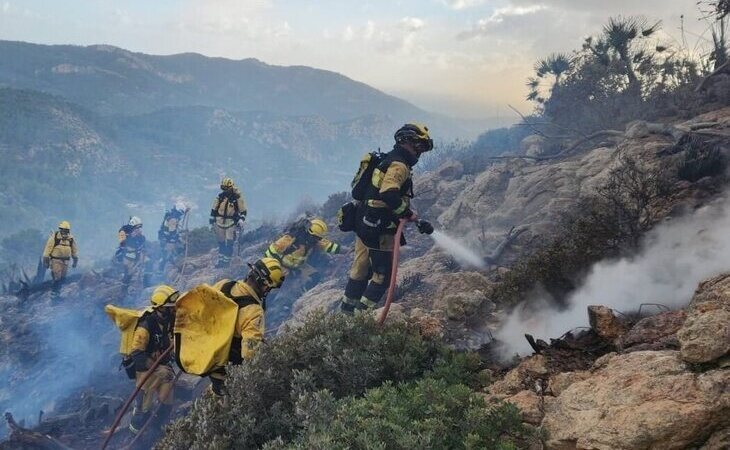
46, 261
75, 263
240, 223
424, 227
211, 220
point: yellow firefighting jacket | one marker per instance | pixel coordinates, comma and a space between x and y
249, 330
293, 252
396, 179
60, 247
151, 339
227, 208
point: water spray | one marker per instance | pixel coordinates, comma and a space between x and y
461, 253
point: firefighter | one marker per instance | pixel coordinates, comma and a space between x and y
169, 234
386, 201
249, 294
60, 249
227, 216
297, 244
131, 250
152, 337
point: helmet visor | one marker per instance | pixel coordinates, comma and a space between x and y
424, 145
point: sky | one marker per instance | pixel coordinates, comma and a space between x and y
464, 58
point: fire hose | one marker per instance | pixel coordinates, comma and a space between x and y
131, 398
393, 271
151, 418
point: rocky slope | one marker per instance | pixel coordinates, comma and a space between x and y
662, 382
640, 382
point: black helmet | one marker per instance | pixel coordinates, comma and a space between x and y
415, 134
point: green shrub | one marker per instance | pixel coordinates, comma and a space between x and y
201, 240
343, 355
427, 414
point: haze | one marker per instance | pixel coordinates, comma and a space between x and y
464, 58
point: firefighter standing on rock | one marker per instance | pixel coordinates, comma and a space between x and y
387, 188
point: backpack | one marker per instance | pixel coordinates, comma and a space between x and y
365, 173
57, 240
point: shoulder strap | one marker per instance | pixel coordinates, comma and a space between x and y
243, 300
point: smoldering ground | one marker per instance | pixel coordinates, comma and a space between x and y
674, 258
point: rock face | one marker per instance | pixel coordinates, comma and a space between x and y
604, 323
530, 405
705, 335
654, 332
523, 377
640, 400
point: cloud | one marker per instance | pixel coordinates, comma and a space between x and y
348, 34
462, 4
500, 16
411, 24
240, 17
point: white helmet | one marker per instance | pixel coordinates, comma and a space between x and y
135, 221
180, 206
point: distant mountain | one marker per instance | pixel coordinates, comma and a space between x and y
94, 134
110, 80
64, 161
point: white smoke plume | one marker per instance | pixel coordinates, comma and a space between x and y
461, 253
676, 256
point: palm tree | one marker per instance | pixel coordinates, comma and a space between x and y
719, 40
556, 65
620, 36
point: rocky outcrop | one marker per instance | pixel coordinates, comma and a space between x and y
605, 323
655, 332
641, 400
705, 334
523, 377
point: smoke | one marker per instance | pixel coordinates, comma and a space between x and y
674, 258
67, 347
463, 254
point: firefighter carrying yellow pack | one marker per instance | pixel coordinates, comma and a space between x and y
224, 323
384, 188
60, 248
152, 336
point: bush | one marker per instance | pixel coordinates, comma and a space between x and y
201, 240
601, 226
343, 355
701, 160
427, 414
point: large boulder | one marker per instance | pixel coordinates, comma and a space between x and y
655, 332
324, 297
533, 145
640, 400
705, 335
462, 304
605, 323
530, 405
525, 376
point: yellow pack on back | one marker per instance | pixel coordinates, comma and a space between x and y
126, 320
205, 320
